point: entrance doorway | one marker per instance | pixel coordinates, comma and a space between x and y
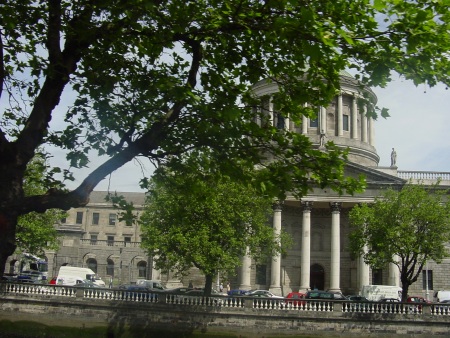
317, 277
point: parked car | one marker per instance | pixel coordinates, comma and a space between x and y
52, 281
86, 284
357, 298
359, 303
319, 294
389, 306
136, 292
418, 301
178, 291
389, 300
199, 294
237, 292
263, 294
9, 278
293, 298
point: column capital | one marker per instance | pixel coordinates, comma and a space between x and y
335, 206
277, 205
307, 205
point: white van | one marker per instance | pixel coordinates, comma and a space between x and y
150, 284
442, 295
378, 292
72, 275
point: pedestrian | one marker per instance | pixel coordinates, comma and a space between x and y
221, 287
228, 287
191, 286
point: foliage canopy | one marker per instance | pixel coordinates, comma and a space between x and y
206, 220
36, 231
157, 78
407, 228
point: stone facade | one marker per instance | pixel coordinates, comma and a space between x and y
318, 223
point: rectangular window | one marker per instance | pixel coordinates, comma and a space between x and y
110, 240
112, 219
127, 241
314, 123
377, 277
261, 275
280, 121
93, 239
79, 217
345, 124
95, 218
427, 278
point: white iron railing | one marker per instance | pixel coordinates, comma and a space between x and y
36, 290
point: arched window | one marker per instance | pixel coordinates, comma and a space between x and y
110, 268
92, 264
142, 269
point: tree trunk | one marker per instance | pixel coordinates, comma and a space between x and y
208, 284
405, 287
8, 223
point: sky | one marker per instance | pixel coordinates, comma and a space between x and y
417, 128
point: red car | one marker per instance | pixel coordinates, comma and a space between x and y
418, 301
293, 298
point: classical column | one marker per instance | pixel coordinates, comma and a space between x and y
287, 123
271, 115
244, 276
323, 120
355, 117
363, 271
305, 122
363, 125
275, 276
305, 283
393, 278
371, 131
340, 127
335, 247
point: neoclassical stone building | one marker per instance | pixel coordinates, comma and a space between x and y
318, 223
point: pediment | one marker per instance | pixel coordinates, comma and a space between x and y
372, 175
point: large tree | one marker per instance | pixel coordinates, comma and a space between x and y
206, 220
406, 228
36, 232
155, 78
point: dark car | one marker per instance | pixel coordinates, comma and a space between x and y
357, 298
318, 294
358, 303
198, 296
136, 292
391, 305
237, 292
178, 291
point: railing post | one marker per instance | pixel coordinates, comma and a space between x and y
248, 303
79, 293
